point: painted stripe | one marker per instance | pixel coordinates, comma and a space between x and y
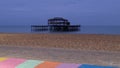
48, 65
11, 63
22, 63
2, 59
66, 65
29, 64
95, 66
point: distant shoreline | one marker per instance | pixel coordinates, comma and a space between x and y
95, 42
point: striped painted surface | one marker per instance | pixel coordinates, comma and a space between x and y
29, 64
11, 63
66, 65
23, 63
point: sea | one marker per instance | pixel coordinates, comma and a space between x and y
91, 29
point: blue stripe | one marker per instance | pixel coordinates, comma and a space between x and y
94, 66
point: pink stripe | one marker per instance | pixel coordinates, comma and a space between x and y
11, 63
65, 65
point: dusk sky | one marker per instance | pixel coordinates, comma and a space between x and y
84, 12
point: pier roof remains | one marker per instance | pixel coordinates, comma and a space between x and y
58, 20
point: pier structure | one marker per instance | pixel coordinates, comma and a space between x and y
61, 24
56, 24
58, 21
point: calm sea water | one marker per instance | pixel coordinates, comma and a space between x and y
83, 30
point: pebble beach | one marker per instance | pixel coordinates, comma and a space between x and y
66, 41
69, 48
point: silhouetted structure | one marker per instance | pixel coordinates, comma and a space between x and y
57, 24
58, 21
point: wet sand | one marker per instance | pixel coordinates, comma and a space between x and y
73, 48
